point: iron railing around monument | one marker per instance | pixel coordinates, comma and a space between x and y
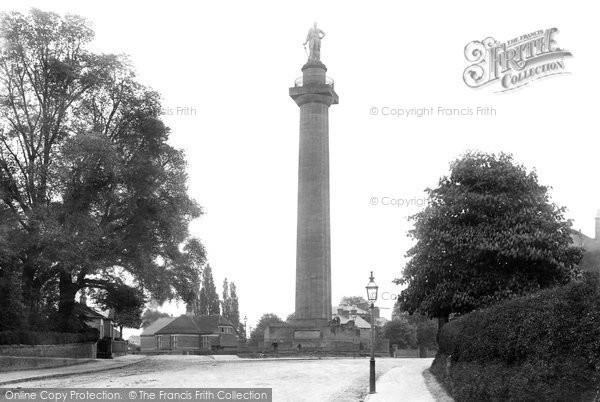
298, 82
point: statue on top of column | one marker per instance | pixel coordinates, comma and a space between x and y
314, 42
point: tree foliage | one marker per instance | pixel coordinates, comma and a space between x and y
90, 189
151, 315
400, 332
257, 336
234, 314
489, 233
127, 304
226, 302
208, 299
357, 301
230, 304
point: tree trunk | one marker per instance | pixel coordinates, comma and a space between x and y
442, 320
67, 322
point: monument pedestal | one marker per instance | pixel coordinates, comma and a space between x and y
332, 338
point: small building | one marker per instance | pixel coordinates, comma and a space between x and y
148, 340
350, 311
189, 334
109, 342
103, 321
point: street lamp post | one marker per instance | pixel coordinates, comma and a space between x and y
246, 328
372, 297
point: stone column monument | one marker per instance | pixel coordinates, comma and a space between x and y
314, 94
313, 328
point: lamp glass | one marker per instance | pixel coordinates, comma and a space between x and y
372, 289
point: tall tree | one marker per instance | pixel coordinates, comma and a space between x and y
208, 300
226, 303
234, 314
90, 190
489, 233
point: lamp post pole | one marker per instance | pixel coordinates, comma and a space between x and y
372, 362
245, 328
372, 297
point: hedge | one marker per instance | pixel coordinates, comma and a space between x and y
541, 347
47, 338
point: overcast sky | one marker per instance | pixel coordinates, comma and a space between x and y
233, 62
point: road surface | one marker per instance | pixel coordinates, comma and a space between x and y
291, 380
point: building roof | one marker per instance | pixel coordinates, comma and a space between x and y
157, 325
184, 324
581, 240
93, 312
210, 323
88, 312
359, 322
346, 307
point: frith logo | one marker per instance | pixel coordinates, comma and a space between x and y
514, 63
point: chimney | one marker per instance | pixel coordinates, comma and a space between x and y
597, 235
340, 312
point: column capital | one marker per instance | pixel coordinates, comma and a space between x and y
320, 93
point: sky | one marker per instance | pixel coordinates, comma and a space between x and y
224, 69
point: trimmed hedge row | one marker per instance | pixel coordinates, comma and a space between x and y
47, 338
541, 347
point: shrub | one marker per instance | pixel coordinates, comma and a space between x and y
400, 332
91, 334
545, 346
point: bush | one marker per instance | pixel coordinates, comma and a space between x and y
400, 332
45, 338
545, 346
91, 334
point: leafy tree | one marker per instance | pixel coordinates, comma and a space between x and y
257, 336
291, 317
150, 315
208, 299
488, 233
12, 306
226, 303
234, 315
357, 301
426, 330
400, 332
230, 305
89, 187
241, 331
127, 304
